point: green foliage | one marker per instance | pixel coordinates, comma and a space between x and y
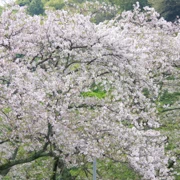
127, 123
102, 16
170, 77
23, 2
36, 7
170, 126
146, 92
99, 95
95, 91
170, 146
169, 98
77, 1
166, 98
38, 169
35, 168
106, 169
1, 10
6, 178
128, 4
177, 169
117, 171
20, 55
65, 175
82, 172
55, 4
6, 110
177, 177
75, 67
169, 9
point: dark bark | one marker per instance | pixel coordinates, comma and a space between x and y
55, 167
32, 157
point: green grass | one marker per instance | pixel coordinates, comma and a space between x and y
95, 91
171, 77
169, 98
6, 110
146, 92
98, 95
111, 170
107, 170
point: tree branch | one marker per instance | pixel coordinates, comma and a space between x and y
170, 109
34, 156
55, 166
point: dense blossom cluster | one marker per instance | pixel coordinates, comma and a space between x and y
49, 64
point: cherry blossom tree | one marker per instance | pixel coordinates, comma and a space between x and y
51, 70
